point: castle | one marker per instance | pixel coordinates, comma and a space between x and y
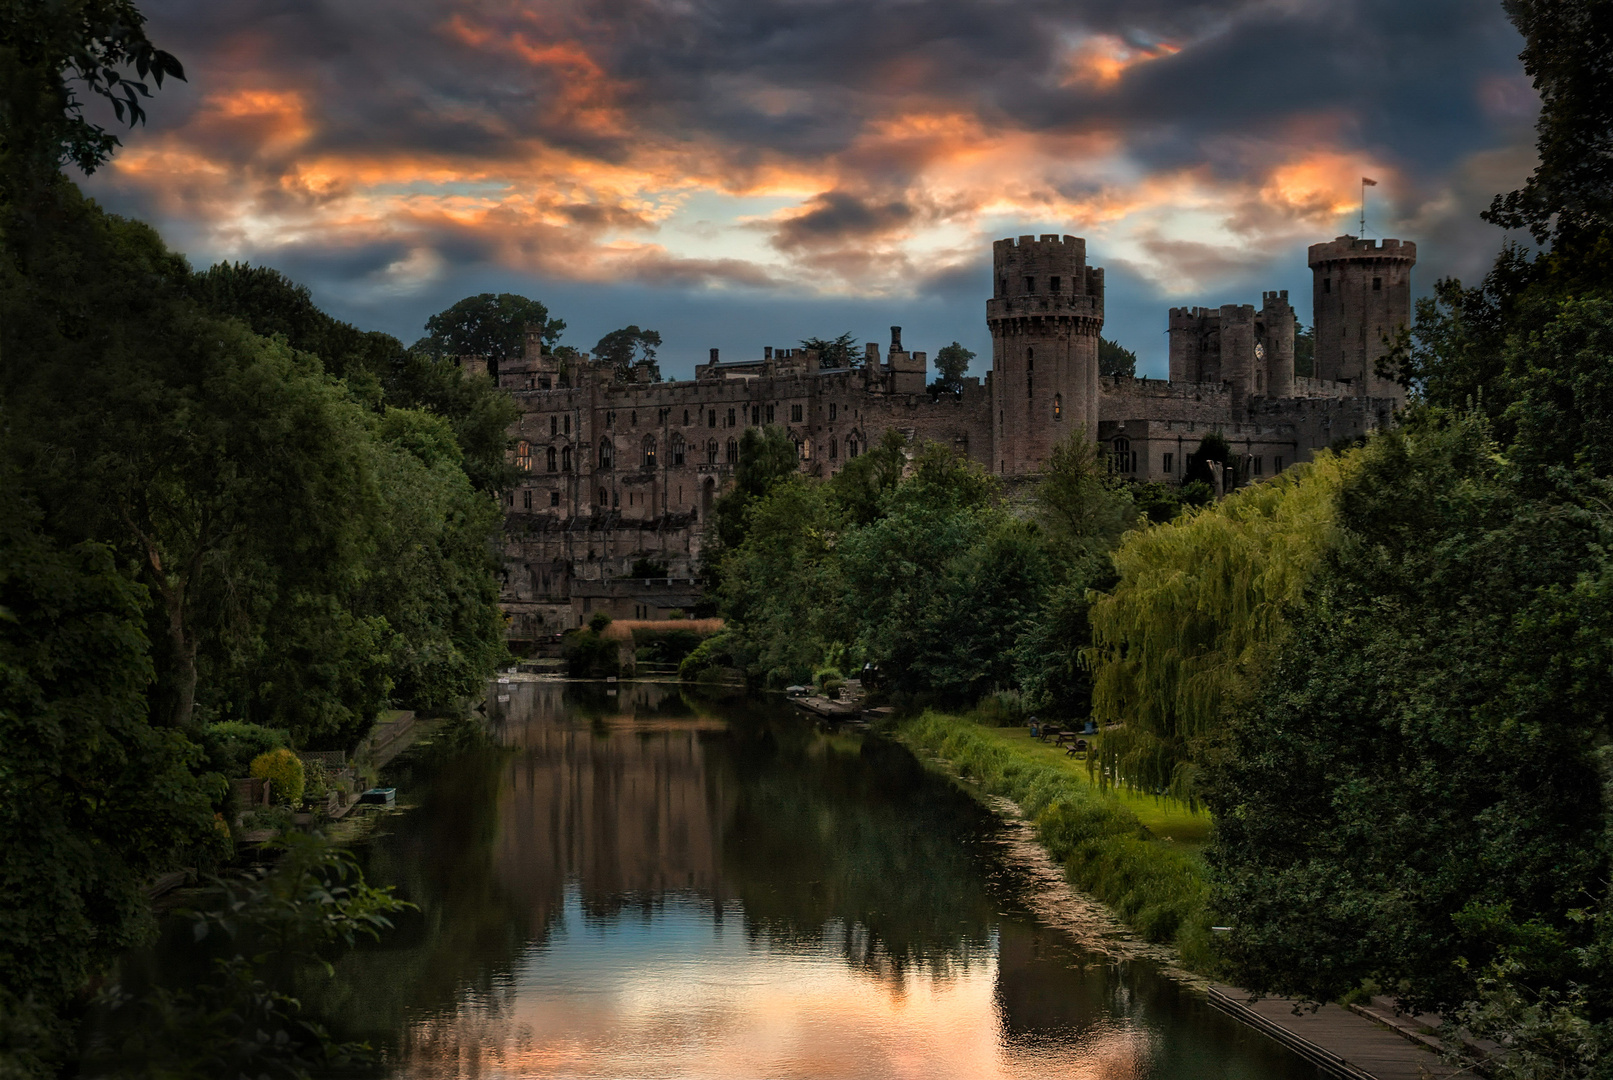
620, 468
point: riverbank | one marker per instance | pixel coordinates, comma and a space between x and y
1155, 886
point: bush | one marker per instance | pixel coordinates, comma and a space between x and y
284, 772
825, 675
598, 623
1003, 708
665, 646
715, 651
233, 745
832, 688
589, 656
316, 782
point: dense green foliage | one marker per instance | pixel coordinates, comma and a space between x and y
1115, 360
951, 361
909, 559
228, 524
490, 326
628, 347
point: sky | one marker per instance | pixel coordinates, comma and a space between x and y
743, 173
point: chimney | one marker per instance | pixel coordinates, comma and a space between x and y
896, 339
713, 356
767, 352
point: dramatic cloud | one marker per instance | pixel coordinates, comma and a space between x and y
404, 154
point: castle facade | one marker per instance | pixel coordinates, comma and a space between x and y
619, 468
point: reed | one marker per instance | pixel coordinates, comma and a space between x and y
622, 629
1159, 890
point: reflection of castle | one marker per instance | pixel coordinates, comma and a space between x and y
622, 468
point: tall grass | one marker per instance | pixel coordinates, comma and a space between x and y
1158, 890
622, 629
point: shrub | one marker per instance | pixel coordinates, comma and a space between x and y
1003, 708
715, 651
589, 656
825, 675
832, 688
598, 623
284, 772
316, 782
232, 745
665, 646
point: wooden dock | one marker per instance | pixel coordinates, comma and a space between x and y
1337, 1040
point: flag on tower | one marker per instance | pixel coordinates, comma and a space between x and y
1369, 183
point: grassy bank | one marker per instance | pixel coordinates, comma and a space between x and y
1156, 886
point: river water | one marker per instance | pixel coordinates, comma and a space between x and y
643, 883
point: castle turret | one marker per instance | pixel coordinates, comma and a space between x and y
1362, 298
1277, 342
1044, 315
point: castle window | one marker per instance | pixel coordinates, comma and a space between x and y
711, 451
664, 414
554, 426
1276, 465
632, 418
733, 451
832, 408
755, 415
1170, 462
1002, 286
565, 459
552, 456
795, 414
1030, 284
711, 417
511, 498
770, 414
1327, 284
543, 383
677, 449
554, 498
523, 456
1030, 359
1058, 406
567, 425
616, 498
851, 447
1123, 458
604, 497
685, 417
610, 418
1053, 284
1258, 462
526, 499
1377, 284
605, 456
834, 449
730, 418
649, 451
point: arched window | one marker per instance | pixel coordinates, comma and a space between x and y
604, 497
523, 456
733, 451
711, 451
552, 457
677, 449
797, 442
605, 456
834, 448
851, 446
649, 451
565, 459
1058, 406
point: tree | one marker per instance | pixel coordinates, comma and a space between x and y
950, 364
840, 352
1079, 501
1116, 361
766, 456
630, 346
1568, 53
1213, 447
489, 326
1304, 350
45, 52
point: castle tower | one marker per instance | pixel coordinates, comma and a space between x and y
1044, 315
1362, 296
1277, 342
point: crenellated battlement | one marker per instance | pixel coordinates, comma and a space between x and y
1349, 247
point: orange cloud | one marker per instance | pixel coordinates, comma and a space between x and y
1102, 60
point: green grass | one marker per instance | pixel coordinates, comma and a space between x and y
1167, 819
1156, 886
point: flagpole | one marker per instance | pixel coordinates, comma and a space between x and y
1363, 208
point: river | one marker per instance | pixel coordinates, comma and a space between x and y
639, 882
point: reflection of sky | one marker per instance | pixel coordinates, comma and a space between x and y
681, 993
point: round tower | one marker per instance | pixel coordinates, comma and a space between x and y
1044, 314
1362, 298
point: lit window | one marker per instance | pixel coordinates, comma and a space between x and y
649, 452
1058, 406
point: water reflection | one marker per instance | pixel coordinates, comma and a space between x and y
646, 883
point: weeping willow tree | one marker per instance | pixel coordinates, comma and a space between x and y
1197, 614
